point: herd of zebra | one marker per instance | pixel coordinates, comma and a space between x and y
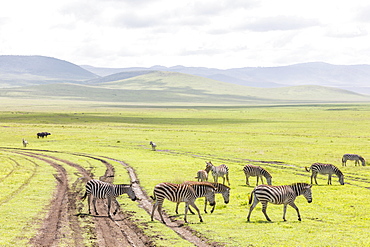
189, 191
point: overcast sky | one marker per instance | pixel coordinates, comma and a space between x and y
213, 33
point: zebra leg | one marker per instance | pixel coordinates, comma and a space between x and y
89, 202
329, 179
117, 206
284, 212
315, 177
160, 213
227, 178
255, 202
257, 180
109, 199
246, 180
196, 208
296, 208
94, 205
264, 208
153, 209
177, 208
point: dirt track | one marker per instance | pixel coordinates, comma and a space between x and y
63, 226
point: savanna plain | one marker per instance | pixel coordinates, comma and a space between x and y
283, 139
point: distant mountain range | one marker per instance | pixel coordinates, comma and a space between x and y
350, 77
50, 78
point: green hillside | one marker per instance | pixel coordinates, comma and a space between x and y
172, 88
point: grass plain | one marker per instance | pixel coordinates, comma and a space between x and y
283, 139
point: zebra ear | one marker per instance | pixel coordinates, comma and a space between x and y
310, 186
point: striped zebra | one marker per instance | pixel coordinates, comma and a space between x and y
329, 169
24, 142
284, 194
101, 190
153, 145
202, 176
357, 158
181, 193
219, 189
256, 171
218, 171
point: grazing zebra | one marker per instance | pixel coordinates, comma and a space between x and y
25, 142
153, 145
102, 190
284, 194
357, 158
181, 193
256, 171
202, 176
218, 171
325, 169
219, 189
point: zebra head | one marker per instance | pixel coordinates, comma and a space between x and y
210, 195
362, 160
303, 189
341, 179
131, 193
307, 193
209, 166
226, 194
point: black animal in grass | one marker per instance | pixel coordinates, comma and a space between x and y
43, 134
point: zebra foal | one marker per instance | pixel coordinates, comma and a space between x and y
284, 194
181, 193
219, 189
97, 189
329, 169
218, 171
202, 176
256, 171
357, 158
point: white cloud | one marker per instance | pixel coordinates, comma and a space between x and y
208, 33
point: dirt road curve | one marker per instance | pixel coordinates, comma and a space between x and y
63, 226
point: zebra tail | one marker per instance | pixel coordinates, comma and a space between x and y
307, 169
250, 197
84, 196
153, 197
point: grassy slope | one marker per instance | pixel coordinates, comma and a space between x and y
181, 89
296, 135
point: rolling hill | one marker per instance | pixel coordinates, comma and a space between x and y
350, 77
172, 88
18, 71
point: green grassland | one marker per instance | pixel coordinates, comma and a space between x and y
282, 139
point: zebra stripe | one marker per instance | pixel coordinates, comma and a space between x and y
181, 193
202, 176
218, 171
219, 189
329, 169
284, 194
256, 171
101, 190
357, 158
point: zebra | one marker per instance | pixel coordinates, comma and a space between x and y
284, 194
219, 189
325, 169
153, 145
102, 190
181, 193
202, 176
218, 171
357, 158
25, 142
256, 171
